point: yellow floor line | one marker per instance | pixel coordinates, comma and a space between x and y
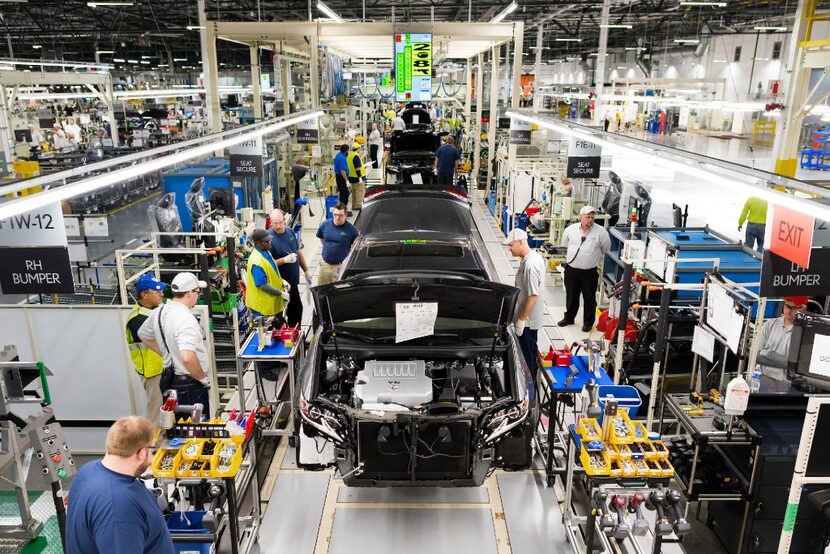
139, 201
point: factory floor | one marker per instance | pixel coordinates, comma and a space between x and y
513, 512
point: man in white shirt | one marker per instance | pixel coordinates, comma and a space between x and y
587, 243
775, 339
530, 309
398, 124
375, 145
73, 130
174, 333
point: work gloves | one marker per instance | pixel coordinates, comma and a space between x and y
307, 279
285, 296
519, 327
286, 286
290, 259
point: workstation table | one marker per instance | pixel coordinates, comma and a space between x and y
561, 380
289, 358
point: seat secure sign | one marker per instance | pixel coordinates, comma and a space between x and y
246, 158
38, 270
583, 159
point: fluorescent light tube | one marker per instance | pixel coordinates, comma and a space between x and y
119, 60
568, 40
329, 12
37, 46
194, 27
617, 26
85, 186
104, 52
687, 41
108, 3
505, 12
701, 3
769, 28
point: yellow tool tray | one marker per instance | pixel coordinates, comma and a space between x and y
595, 462
589, 429
196, 459
620, 429
166, 462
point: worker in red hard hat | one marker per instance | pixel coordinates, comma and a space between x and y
775, 339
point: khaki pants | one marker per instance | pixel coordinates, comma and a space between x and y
327, 273
154, 398
358, 191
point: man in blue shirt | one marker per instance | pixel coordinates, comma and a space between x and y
341, 174
337, 236
285, 249
446, 162
109, 510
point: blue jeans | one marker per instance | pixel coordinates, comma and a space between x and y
528, 341
755, 235
193, 392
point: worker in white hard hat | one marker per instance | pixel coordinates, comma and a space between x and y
586, 244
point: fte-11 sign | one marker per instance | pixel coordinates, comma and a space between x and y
39, 270
413, 67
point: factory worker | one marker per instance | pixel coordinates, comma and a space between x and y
266, 293
530, 310
337, 236
586, 244
755, 215
37, 136
58, 137
150, 295
398, 124
285, 249
357, 176
72, 130
375, 145
775, 339
173, 332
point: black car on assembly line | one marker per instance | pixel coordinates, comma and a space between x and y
444, 408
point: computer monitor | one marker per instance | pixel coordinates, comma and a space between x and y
809, 355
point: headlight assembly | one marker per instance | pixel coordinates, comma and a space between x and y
328, 422
502, 421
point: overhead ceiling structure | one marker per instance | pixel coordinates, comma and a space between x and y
164, 34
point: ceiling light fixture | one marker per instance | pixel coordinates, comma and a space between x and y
329, 12
568, 40
633, 48
700, 3
85, 186
687, 41
179, 59
505, 12
119, 60
617, 26
688, 167
109, 3
132, 61
99, 52
769, 28
194, 27
37, 46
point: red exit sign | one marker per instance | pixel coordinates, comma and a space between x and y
792, 235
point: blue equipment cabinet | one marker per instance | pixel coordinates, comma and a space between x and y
737, 262
216, 172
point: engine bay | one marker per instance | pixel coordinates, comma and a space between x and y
437, 386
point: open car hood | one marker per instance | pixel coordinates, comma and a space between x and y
414, 141
459, 296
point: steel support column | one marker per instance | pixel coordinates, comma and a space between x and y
256, 81
599, 71
6, 131
785, 145
109, 99
537, 69
210, 70
516, 90
287, 90
314, 81
494, 106
468, 97
479, 108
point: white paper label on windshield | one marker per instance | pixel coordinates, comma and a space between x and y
414, 320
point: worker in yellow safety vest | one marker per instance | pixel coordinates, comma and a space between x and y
148, 364
357, 176
265, 291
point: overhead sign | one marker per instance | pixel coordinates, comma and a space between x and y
519, 131
246, 158
307, 132
791, 235
781, 277
38, 270
413, 67
584, 158
39, 227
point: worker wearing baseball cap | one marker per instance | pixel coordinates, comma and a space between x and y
149, 295
175, 334
586, 244
266, 293
775, 339
530, 309
357, 176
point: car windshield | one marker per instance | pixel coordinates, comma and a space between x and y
413, 214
